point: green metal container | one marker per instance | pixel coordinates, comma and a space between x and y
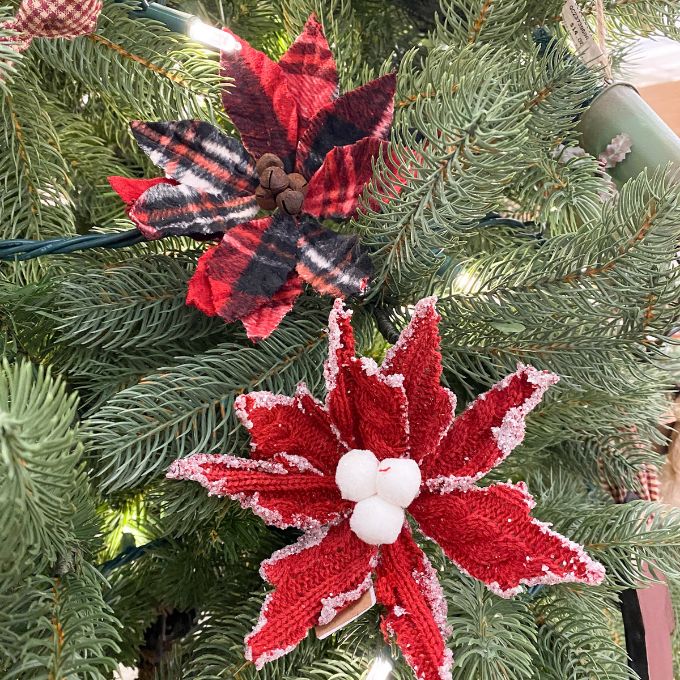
620, 108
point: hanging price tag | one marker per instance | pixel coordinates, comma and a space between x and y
347, 615
587, 48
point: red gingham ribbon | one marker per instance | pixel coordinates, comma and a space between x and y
53, 19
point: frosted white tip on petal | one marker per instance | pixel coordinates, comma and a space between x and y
356, 473
398, 481
376, 521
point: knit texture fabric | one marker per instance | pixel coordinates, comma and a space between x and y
395, 411
53, 19
290, 109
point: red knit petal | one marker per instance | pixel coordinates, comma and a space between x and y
408, 587
490, 534
199, 293
416, 356
364, 112
295, 426
285, 493
264, 320
488, 430
260, 103
310, 71
323, 572
368, 409
335, 188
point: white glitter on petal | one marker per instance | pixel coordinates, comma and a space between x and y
427, 580
331, 368
260, 400
423, 308
192, 469
308, 540
335, 603
272, 654
300, 463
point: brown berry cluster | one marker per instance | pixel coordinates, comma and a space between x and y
277, 189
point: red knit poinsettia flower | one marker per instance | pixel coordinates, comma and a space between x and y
52, 19
386, 441
305, 154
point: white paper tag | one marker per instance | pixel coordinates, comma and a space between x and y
347, 615
587, 49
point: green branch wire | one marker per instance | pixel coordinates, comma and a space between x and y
28, 249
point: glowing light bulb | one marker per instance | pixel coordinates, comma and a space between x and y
209, 35
380, 669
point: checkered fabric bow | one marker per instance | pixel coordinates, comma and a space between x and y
53, 19
305, 154
387, 443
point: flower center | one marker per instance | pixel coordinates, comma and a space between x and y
382, 490
278, 189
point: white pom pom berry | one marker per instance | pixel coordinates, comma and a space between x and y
398, 481
376, 521
356, 474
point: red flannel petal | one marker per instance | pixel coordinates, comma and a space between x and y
251, 263
325, 570
416, 356
408, 587
310, 71
180, 210
332, 263
369, 410
260, 103
490, 535
264, 320
285, 493
197, 154
335, 188
199, 293
488, 430
366, 111
294, 426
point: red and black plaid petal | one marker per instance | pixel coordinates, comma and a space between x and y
260, 103
366, 111
336, 186
251, 264
130, 189
262, 322
199, 293
332, 263
180, 210
310, 72
197, 154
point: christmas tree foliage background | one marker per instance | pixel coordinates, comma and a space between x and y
108, 376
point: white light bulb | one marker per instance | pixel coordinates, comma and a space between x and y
209, 35
380, 669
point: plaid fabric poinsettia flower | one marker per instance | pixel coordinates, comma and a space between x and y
386, 442
305, 154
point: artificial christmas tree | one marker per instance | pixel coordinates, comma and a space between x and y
110, 379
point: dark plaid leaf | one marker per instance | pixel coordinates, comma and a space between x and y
260, 104
310, 72
197, 154
251, 264
366, 111
332, 263
336, 186
180, 210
